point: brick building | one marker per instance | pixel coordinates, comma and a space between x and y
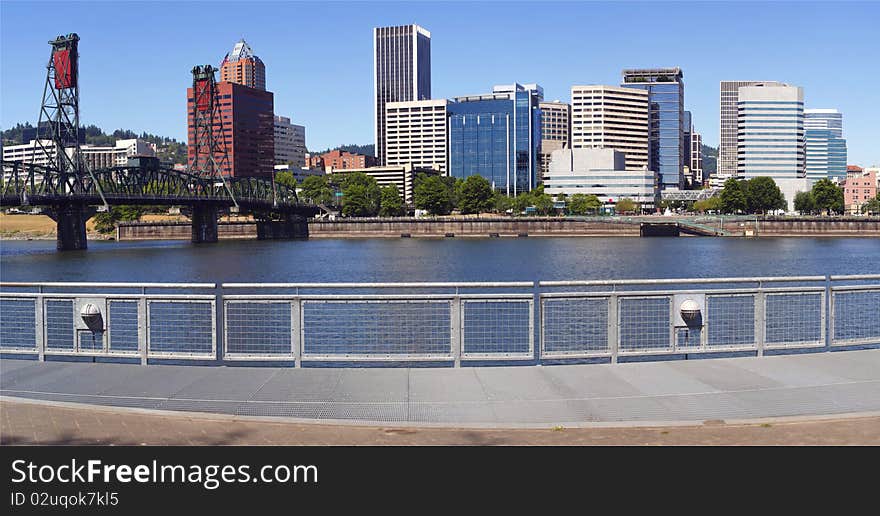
337, 159
859, 187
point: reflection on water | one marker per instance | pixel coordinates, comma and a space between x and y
414, 259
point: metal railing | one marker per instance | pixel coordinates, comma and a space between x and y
444, 323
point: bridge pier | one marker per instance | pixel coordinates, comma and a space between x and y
70, 222
204, 223
291, 226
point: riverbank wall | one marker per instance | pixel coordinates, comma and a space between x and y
508, 227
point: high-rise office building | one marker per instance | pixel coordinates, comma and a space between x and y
697, 158
290, 142
416, 133
825, 145
609, 117
770, 132
241, 66
727, 160
497, 136
248, 131
401, 71
687, 130
666, 150
555, 131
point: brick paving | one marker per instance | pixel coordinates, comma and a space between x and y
29, 423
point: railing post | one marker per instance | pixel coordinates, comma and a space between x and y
760, 319
40, 323
219, 322
296, 331
455, 331
142, 330
613, 330
538, 328
828, 325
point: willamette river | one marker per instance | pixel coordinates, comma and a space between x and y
459, 259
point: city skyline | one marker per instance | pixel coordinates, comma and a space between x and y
466, 58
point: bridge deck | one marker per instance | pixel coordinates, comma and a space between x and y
678, 391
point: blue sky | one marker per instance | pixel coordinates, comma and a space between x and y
136, 57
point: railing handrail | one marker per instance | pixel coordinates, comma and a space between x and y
68, 284
855, 277
470, 284
672, 281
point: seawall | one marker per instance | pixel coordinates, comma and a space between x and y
508, 227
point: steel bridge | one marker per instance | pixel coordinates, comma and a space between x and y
62, 196
70, 191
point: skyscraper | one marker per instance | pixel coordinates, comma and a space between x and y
687, 127
241, 66
770, 132
826, 147
665, 87
555, 131
248, 131
728, 125
402, 72
608, 117
497, 136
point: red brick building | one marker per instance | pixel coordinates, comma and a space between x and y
248, 126
337, 159
859, 187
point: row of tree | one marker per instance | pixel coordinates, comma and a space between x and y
825, 197
359, 195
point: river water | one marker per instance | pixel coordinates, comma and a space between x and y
458, 259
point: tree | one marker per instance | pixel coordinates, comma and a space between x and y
285, 178
711, 204
804, 203
733, 197
542, 202
626, 205
391, 203
474, 195
361, 195
872, 206
432, 194
317, 189
105, 222
828, 196
762, 195
582, 204
501, 202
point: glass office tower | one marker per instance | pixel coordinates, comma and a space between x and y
826, 147
497, 136
665, 88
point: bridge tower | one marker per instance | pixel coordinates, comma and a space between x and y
58, 123
208, 154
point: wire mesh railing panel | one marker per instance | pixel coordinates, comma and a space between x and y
18, 324
123, 326
688, 339
644, 324
90, 342
574, 326
376, 328
495, 328
258, 329
181, 327
730, 321
856, 317
793, 319
59, 325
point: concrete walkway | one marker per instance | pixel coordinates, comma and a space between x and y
641, 394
